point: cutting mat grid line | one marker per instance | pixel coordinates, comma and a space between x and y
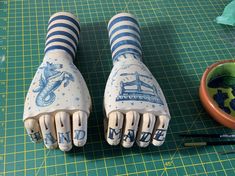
179, 39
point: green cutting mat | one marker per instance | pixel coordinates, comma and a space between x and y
180, 39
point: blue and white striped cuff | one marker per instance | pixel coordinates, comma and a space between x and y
124, 36
63, 33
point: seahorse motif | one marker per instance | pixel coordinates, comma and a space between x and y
50, 80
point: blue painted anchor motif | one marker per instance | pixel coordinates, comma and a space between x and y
49, 81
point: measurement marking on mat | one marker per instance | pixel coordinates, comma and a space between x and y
2, 58
169, 163
2, 82
2, 70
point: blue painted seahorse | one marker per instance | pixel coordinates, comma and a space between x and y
50, 80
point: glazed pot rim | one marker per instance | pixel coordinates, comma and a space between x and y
209, 104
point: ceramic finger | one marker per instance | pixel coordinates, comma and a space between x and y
160, 130
33, 130
63, 128
47, 125
114, 131
130, 128
147, 123
80, 128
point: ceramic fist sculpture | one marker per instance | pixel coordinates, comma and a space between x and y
58, 95
135, 107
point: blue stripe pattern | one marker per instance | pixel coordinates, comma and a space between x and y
64, 25
55, 47
127, 51
124, 27
63, 41
126, 42
66, 38
125, 36
63, 33
64, 17
122, 18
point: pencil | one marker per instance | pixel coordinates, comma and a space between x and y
209, 135
199, 144
227, 152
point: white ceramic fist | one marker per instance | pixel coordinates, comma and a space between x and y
135, 107
58, 102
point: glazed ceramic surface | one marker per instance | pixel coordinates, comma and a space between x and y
217, 92
130, 86
221, 87
58, 85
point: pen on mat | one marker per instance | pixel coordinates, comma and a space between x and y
227, 152
199, 144
209, 135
